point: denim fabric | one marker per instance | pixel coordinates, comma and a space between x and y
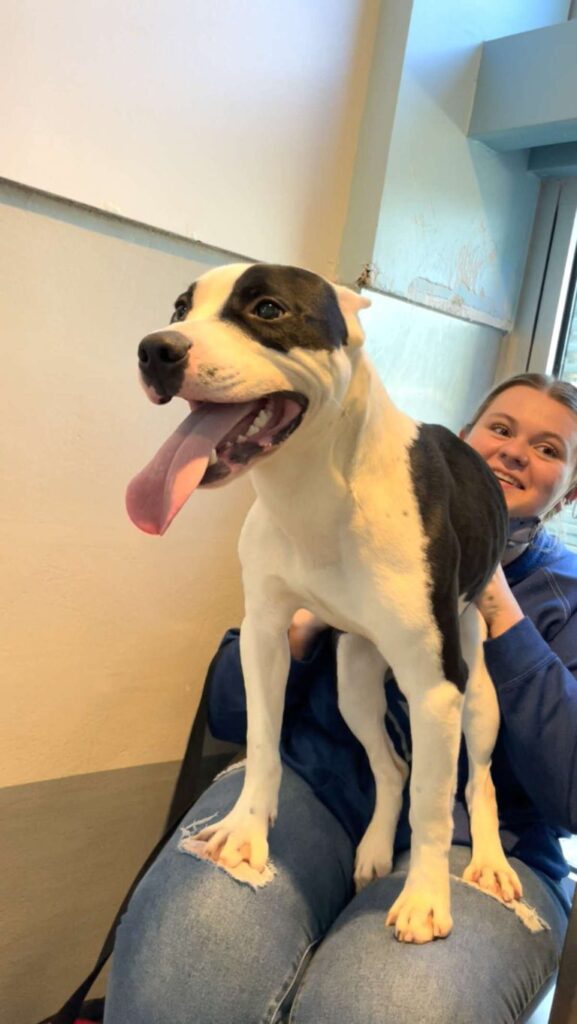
198, 947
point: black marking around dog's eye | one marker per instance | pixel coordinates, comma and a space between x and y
465, 521
311, 315
183, 305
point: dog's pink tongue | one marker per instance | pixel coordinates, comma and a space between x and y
160, 490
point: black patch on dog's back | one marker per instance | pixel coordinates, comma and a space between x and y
465, 519
313, 318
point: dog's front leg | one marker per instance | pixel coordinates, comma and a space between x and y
264, 650
422, 911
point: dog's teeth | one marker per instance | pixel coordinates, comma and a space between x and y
241, 437
259, 422
213, 457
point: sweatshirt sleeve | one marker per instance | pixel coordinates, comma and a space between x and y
226, 697
536, 684
226, 693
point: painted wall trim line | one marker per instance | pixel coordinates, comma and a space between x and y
120, 219
445, 307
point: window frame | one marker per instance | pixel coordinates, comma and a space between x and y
533, 344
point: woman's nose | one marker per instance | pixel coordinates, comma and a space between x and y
514, 450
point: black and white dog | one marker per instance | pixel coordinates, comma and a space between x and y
383, 527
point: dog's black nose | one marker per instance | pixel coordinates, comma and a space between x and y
162, 351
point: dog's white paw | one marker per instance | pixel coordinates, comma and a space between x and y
240, 836
374, 858
420, 914
494, 874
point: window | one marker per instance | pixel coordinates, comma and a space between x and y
565, 362
545, 338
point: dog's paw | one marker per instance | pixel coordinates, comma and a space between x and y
420, 915
374, 858
238, 837
494, 874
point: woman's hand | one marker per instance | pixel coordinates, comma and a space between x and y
302, 631
498, 606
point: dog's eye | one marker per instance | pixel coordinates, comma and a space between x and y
180, 311
266, 309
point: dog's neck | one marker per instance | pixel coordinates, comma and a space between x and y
310, 486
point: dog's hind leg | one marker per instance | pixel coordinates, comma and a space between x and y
422, 910
362, 702
489, 867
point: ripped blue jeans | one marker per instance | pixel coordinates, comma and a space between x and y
198, 947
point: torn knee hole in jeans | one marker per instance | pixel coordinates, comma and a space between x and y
197, 848
524, 911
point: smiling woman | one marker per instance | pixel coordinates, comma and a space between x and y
526, 431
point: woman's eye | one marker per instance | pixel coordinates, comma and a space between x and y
266, 309
500, 428
548, 451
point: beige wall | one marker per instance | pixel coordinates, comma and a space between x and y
106, 631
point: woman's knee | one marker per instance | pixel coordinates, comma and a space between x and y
197, 944
184, 922
489, 968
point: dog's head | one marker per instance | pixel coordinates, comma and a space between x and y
253, 349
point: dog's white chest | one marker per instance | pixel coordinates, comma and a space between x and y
355, 556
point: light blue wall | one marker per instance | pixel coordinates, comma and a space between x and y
446, 239
455, 217
525, 95
369, 174
435, 367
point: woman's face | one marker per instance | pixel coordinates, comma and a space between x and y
529, 440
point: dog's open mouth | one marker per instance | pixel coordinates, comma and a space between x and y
213, 443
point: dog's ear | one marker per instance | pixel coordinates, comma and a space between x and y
350, 303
